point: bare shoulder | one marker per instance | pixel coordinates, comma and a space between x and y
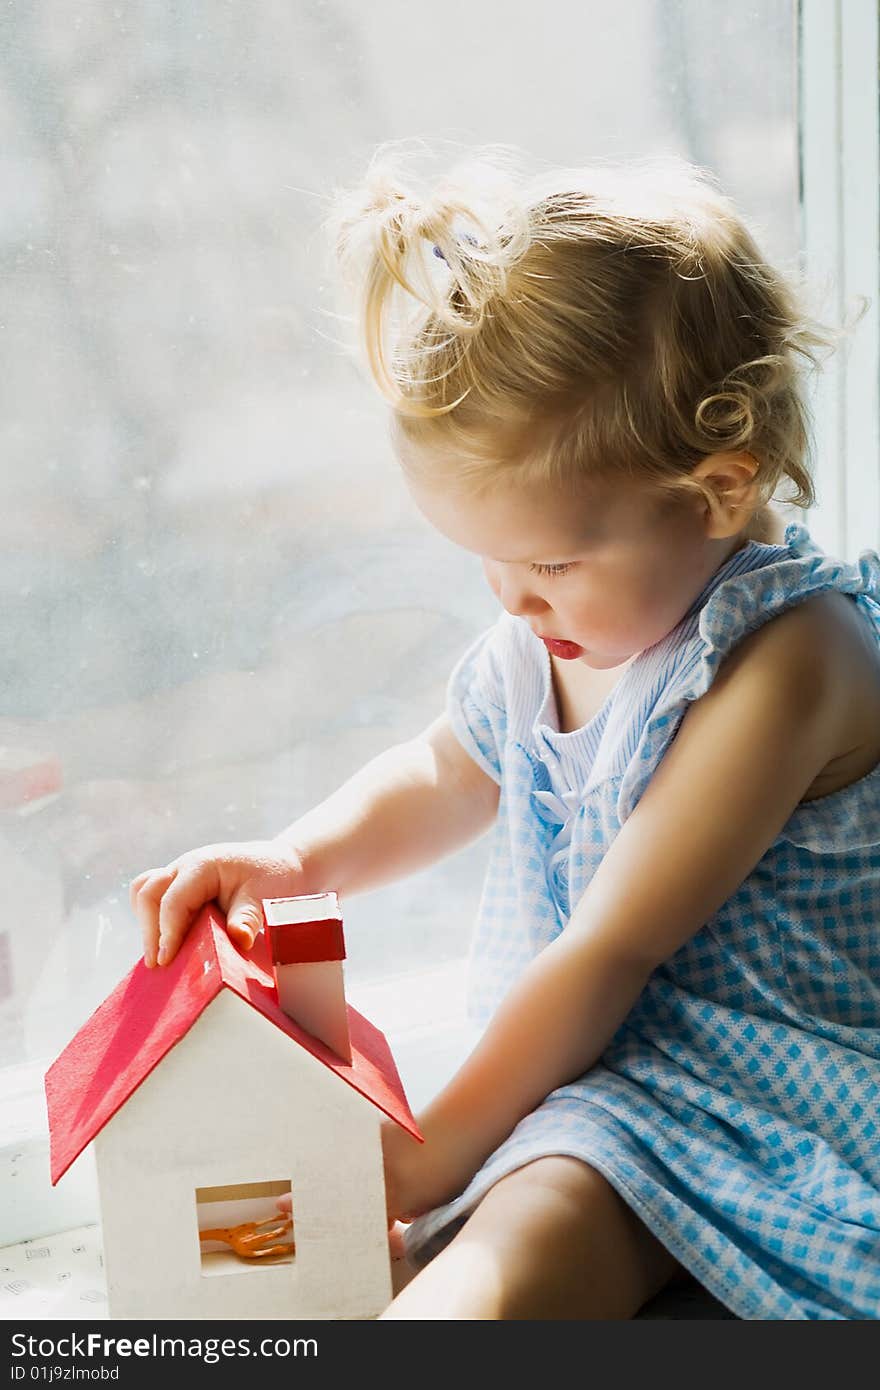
824, 649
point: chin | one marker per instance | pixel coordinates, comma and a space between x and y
597, 662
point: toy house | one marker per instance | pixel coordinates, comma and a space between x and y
210, 1107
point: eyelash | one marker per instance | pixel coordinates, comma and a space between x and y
553, 570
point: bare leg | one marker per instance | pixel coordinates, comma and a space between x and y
552, 1240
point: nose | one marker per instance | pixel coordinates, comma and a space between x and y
511, 586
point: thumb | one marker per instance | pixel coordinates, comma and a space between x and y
244, 921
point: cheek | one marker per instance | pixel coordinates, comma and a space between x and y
656, 606
612, 610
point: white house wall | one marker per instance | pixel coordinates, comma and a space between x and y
235, 1101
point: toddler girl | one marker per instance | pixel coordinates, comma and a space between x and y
673, 728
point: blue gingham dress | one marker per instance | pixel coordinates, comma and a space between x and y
737, 1108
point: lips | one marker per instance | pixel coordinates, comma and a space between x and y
568, 651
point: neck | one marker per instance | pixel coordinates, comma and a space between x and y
767, 527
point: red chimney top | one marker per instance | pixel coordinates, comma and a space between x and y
307, 947
307, 928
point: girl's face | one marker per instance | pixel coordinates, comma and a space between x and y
608, 569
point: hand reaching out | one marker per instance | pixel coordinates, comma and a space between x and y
236, 876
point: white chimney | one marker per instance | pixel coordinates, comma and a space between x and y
307, 947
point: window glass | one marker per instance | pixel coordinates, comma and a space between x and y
218, 601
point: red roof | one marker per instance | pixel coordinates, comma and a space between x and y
151, 1010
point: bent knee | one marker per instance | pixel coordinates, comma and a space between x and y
549, 1199
564, 1241
569, 1179
562, 1200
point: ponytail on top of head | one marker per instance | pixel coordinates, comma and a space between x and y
390, 231
610, 320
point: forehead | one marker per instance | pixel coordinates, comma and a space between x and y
532, 522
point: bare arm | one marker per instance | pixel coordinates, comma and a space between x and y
743, 758
407, 808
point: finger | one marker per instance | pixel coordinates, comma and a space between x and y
396, 1244
194, 885
136, 885
284, 1203
244, 920
146, 902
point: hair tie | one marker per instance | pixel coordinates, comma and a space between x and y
465, 236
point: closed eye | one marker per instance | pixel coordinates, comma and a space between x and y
554, 570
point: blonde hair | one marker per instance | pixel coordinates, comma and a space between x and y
592, 322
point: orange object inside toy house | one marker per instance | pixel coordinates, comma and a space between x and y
243, 1225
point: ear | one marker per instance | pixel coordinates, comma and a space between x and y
731, 480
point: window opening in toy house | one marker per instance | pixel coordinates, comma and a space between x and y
245, 1226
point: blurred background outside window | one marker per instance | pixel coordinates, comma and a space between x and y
218, 601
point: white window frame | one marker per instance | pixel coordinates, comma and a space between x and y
837, 52
840, 239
